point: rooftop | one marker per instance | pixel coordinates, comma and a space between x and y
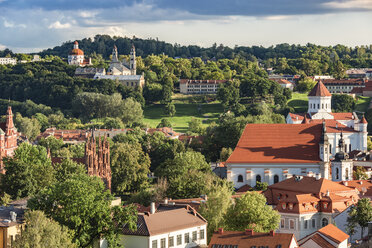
319, 90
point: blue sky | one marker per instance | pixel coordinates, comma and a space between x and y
33, 25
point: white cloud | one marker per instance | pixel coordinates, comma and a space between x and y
87, 14
2, 47
277, 17
10, 24
59, 25
350, 4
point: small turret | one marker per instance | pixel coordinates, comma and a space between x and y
133, 64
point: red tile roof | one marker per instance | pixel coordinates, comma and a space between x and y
333, 233
257, 239
363, 186
319, 90
278, 143
349, 81
364, 120
319, 240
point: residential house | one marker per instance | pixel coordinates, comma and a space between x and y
168, 225
189, 86
327, 237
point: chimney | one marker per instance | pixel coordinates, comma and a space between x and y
327, 194
166, 201
152, 208
220, 230
345, 183
249, 232
317, 176
272, 233
13, 216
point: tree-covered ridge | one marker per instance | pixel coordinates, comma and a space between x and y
297, 56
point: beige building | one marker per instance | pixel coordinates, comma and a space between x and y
189, 86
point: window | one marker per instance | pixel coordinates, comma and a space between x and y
282, 223
162, 243
337, 173
313, 223
276, 179
291, 224
240, 179
347, 173
318, 105
322, 106
349, 147
306, 224
324, 222
330, 148
171, 241
154, 244
187, 238
179, 239
202, 234
258, 178
194, 236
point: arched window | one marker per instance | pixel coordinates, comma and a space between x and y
318, 106
322, 105
330, 148
337, 173
347, 174
349, 147
240, 179
324, 222
276, 179
258, 178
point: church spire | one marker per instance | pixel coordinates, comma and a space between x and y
133, 63
341, 143
9, 121
115, 54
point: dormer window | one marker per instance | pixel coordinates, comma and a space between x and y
290, 206
325, 205
284, 206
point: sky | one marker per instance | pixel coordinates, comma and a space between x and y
34, 25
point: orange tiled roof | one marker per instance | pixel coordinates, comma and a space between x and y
257, 239
363, 186
343, 116
319, 240
319, 90
333, 233
278, 143
76, 52
333, 126
363, 120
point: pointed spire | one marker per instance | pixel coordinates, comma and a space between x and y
364, 121
341, 142
319, 90
9, 121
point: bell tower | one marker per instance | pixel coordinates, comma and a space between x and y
133, 63
324, 152
342, 166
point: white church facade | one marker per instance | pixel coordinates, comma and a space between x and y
315, 143
76, 57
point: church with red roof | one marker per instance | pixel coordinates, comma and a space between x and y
76, 56
314, 143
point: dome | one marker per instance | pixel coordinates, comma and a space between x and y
341, 155
76, 51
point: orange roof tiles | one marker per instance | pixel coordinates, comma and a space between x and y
76, 52
333, 233
363, 186
319, 240
319, 90
364, 120
343, 116
257, 239
278, 143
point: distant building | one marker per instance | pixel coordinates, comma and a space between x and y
358, 72
89, 72
249, 239
11, 222
8, 138
189, 86
284, 83
168, 225
8, 61
290, 78
76, 57
327, 237
119, 71
343, 86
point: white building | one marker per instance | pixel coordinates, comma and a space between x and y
188, 86
76, 56
119, 71
328, 236
178, 226
8, 61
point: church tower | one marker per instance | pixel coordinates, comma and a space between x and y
115, 57
133, 63
342, 166
324, 152
320, 102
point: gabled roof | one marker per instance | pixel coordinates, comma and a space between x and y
333, 233
240, 239
169, 219
278, 143
319, 240
319, 90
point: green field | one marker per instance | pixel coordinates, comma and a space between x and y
362, 103
207, 113
299, 102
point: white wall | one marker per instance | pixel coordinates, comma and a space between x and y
319, 104
341, 222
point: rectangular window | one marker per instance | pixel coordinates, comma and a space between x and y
282, 223
305, 223
154, 244
162, 243
187, 238
313, 223
179, 239
171, 241
202, 234
291, 224
194, 235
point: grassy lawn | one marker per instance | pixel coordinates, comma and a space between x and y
362, 103
184, 113
299, 102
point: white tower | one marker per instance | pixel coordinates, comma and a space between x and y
133, 63
320, 102
342, 166
324, 152
115, 55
